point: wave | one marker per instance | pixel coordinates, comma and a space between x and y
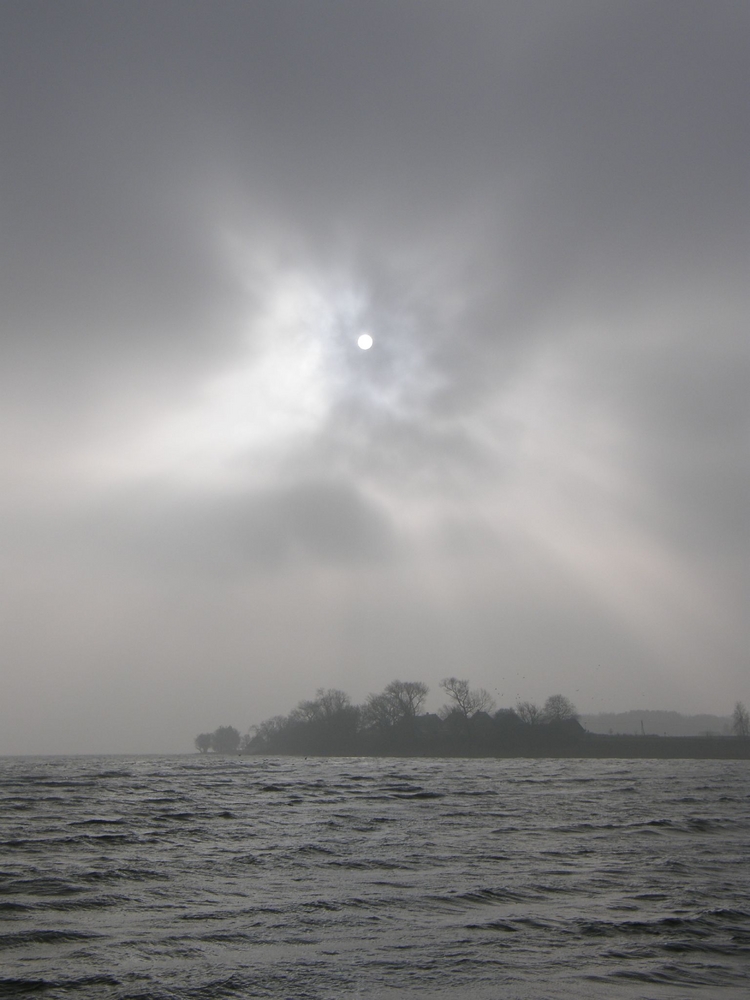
12, 987
22, 938
318, 878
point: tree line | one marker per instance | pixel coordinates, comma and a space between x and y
393, 722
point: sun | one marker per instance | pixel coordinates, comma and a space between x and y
364, 341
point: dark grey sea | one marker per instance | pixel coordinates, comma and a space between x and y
213, 877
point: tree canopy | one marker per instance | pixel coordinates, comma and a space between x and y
464, 699
391, 721
558, 708
225, 739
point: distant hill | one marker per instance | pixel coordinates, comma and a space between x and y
656, 723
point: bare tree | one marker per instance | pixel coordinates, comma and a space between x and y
465, 700
740, 721
379, 712
306, 711
400, 702
408, 696
557, 708
333, 701
327, 703
528, 712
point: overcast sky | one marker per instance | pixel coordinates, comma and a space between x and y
212, 502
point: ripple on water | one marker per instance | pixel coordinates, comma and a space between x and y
238, 877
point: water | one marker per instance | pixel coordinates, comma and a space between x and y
206, 877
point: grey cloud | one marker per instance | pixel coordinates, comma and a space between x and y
602, 153
544, 206
331, 523
235, 535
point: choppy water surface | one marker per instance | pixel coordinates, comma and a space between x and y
208, 877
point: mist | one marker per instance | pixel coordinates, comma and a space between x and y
214, 503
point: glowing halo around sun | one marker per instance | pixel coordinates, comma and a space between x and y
364, 341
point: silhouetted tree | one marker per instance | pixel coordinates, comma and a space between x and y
398, 705
466, 702
379, 712
226, 739
391, 723
327, 724
740, 721
204, 742
557, 708
530, 713
407, 696
306, 711
267, 735
333, 702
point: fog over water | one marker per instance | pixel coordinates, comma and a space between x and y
213, 502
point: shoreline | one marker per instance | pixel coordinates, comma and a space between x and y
592, 746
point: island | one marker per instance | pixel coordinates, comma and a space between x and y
392, 723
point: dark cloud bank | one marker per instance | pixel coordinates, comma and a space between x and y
213, 503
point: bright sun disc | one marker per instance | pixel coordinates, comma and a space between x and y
364, 341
